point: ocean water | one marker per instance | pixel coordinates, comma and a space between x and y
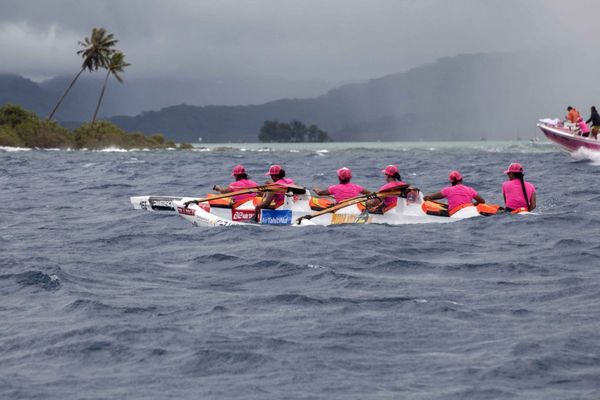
100, 301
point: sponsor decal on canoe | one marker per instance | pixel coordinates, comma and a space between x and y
276, 217
242, 215
162, 203
186, 211
337, 219
412, 197
222, 222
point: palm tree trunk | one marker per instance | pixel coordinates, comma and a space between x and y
64, 95
101, 96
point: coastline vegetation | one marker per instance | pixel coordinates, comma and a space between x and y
295, 131
22, 128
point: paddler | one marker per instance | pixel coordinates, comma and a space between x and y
392, 179
241, 182
458, 195
344, 189
272, 200
518, 194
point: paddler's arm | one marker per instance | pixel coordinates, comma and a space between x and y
321, 192
434, 196
479, 199
532, 203
266, 201
222, 190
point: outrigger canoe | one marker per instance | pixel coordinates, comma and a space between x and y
567, 138
305, 210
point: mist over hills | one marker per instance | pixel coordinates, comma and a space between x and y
465, 97
139, 95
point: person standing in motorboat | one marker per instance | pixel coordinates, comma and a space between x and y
241, 182
572, 115
584, 130
458, 195
272, 200
595, 120
343, 190
519, 195
393, 180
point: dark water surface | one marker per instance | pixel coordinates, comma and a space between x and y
98, 301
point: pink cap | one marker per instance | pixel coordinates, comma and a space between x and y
454, 176
238, 170
390, 170
344, 173
274, 170
514, 167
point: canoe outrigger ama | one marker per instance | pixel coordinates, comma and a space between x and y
302, 209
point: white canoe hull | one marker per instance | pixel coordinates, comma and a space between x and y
406, 212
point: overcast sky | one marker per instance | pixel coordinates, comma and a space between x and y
335, 40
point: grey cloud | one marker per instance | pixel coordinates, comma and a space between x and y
309, 39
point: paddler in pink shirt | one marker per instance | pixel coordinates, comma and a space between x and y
344, 190
241, 182
271, 199
393, 180
518, 194
458, 195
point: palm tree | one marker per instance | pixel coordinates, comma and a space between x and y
115, 66
97, 50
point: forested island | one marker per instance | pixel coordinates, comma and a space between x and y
295, 131
23, 128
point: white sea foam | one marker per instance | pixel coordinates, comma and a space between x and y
111, 150
13, 149
584, 153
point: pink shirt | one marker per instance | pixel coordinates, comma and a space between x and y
343, 191
583, 126
458, 194
242, 184
513, 192
390, 201
279, 197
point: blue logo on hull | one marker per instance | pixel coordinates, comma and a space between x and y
276, 217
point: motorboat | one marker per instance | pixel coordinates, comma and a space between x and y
567, 136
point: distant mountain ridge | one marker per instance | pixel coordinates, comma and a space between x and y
138, 95
466, 97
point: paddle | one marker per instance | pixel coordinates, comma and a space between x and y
273, 187
395, 191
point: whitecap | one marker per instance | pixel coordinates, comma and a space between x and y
13, 149
111, 150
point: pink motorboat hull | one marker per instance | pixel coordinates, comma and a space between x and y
566, 139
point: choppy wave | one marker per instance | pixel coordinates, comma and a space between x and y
101, 301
